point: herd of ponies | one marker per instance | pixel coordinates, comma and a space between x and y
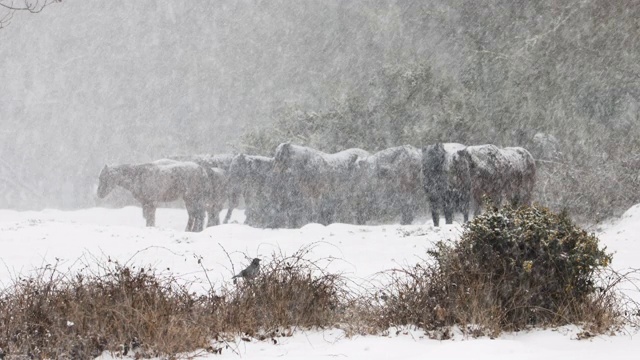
300, 185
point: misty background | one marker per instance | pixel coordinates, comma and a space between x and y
86, 84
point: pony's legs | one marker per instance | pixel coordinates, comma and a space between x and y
327, 211
448, 213
149, 214
361, 210
196, 213
464, 208
213, 213
233, 203
199, 220
434, 205
195, 222
251, 212
407, 209
227, 215
190, 221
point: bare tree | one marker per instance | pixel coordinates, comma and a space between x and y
9, 7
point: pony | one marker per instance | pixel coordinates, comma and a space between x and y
161, 181
521, 175
446, 181
250, 177
498, 173
313, 185
390, 179
217, 167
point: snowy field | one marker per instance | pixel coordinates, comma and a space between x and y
76, 239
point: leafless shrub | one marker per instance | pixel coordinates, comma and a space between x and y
57, 315
124, 309
291, 291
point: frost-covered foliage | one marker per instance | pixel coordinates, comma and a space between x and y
532, 257
512, 268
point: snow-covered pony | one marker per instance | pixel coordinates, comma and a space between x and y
499, 173
250, 177
314, 182
521, 175
222, 161
161, 181
390, 179
447, 186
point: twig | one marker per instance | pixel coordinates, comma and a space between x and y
233, 270
206, 273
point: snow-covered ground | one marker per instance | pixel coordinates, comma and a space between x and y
74, 239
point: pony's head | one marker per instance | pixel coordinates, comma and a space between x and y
433, 157
433, 168
106, 182
282, 157
239, 166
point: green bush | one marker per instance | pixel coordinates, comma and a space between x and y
535, 262
511, 269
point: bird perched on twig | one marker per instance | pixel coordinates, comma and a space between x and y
251, 271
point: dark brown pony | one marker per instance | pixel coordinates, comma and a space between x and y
161, 181
447, 186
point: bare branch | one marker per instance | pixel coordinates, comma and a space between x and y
11, 6
5, 19
31, 6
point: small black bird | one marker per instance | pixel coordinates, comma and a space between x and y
251, 271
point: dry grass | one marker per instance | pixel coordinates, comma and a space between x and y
55, 315
291, 291
125, 309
